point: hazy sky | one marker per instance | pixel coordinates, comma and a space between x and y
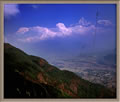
60, 29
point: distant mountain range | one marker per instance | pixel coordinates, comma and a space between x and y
108, 58
27, 76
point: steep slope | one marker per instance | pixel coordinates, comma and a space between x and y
31, 76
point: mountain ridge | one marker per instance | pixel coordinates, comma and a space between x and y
39, 73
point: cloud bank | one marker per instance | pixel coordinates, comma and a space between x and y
37, 33
11, 10
105, 22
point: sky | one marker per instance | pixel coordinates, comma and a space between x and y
48, 30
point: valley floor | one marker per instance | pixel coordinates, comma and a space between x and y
89, 69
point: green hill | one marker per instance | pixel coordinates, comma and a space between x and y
27, 76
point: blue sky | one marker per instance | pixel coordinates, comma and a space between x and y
60, 29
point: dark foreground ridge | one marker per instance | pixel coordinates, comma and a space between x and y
27, 76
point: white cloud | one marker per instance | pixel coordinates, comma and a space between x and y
63, 29
37, 33
10, 10
79, 29
105, 22
23, 30
29, 39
